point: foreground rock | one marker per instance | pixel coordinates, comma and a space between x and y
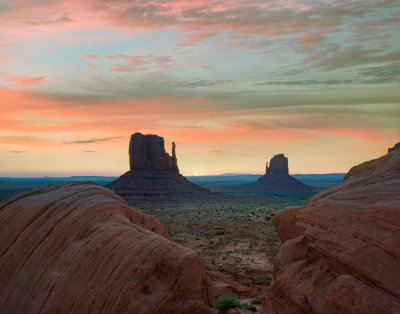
154, 176
78, 248
341, 250
276, 178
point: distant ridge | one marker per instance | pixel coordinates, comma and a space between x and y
252, 177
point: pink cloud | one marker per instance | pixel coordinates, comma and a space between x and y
90, 56
24, 80
195, 37
131, 63
309, 38
91, 66
135, 60
198, 19
119, 67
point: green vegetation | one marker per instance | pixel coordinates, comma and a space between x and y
251, 308
240, 214
257, 301
227, 302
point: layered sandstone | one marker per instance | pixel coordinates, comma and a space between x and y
154, 176
79, 248
341, 250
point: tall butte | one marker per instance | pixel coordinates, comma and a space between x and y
154, 176
276, 178
147, 152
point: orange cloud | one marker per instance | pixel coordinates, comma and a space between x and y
199, 124
23, 80
371, 135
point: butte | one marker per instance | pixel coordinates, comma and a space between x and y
154, 176
276, 178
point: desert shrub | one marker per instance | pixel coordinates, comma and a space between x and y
251, 308
257, 301
227, 302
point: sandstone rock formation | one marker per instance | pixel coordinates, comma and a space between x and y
276, 178
148, 152
79, 248
278, 164
341, 250
395, 147
154, 176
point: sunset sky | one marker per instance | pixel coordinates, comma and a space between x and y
231, 82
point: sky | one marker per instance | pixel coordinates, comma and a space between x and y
231, 82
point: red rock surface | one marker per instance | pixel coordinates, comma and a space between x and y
285, 223
344, 256
78, 248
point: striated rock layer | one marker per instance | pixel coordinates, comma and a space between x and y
78, 248
154, 177
341, 250
276, 178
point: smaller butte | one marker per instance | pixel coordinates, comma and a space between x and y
276, 178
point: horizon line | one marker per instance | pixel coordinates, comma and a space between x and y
37, 176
